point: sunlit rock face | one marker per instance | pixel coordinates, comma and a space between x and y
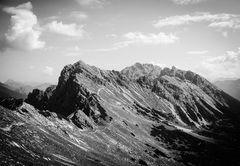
142, 115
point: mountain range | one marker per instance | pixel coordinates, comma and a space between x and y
232, 87
141, 115
16, 89
6, 91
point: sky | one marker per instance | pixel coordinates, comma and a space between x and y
38, 38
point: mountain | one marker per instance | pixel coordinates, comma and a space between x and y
142, 115
139, 70
232, 87
25, 88
6, 91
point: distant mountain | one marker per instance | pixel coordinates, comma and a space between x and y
6, 91
42, 86
232, 87
25, 88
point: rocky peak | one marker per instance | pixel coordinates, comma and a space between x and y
87, 91
139, 70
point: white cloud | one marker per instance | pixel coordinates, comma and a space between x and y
48, 70
162, 65
91, 3
186, 2
72, 30
151, 38
78, 15
24, 32
138, 38
52, 18
222, 20
198, 52
233, 23
225, 66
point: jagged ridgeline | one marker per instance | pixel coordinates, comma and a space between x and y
142, 115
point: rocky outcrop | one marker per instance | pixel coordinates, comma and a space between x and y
39, 98
139, 70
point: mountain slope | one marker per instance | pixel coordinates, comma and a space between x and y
25, 88
142, 115
6, 91
232, 87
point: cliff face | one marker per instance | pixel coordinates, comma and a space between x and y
146, 115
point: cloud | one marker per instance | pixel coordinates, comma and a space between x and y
197, 52
162, 65
73, 52
222, 20
79, 15
225, 34
72, 30
91, 3
48, 70
226, 66
233, 23
151, 38
187, 2
23, 33
138, 38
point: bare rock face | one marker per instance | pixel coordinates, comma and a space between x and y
39, 98
145, 115
138, 70
72, 94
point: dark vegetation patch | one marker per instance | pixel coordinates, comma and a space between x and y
188, 149
154, 152
142, 162
11, 103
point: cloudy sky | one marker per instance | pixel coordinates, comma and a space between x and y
39, 37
